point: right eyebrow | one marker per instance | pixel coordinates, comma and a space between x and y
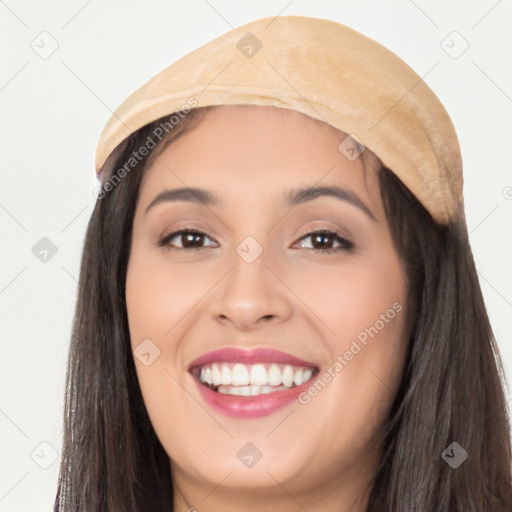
192, 195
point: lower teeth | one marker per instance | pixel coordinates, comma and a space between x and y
248, 390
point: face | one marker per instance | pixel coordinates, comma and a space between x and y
312, 276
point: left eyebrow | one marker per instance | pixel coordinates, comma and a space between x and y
302, 195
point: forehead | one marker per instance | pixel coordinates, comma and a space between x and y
242, 150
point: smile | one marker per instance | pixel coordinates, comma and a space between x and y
250, 383
249, 380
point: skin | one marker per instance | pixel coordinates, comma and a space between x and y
319, 456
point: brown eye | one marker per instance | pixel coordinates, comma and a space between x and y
188, 239
322, 241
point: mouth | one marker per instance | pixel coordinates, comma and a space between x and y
247, 373
233, 378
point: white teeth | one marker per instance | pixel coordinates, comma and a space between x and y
274, 375
248, 390
244, 390
225, 374
307, 375
216, 377
240, 375
206, 375
256, 390
288, 376
298, 377
258, 376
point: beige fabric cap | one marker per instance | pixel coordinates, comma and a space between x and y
327, 71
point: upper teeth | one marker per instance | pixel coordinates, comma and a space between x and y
238, 374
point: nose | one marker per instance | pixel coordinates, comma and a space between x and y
251, 294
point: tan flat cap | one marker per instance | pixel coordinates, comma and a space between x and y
327, 71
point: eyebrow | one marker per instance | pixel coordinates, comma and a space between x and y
191, 195
291, 198
295, 197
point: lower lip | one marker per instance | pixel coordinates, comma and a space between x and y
238, 406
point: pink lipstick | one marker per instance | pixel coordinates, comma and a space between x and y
251, 383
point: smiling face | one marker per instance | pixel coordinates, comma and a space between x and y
257, 276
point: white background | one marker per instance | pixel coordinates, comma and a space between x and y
53, 110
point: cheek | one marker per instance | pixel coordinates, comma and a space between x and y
363, 310
349, 297
159, 300
159, 295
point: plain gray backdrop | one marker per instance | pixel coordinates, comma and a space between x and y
65, 66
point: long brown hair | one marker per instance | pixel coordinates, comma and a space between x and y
451, 389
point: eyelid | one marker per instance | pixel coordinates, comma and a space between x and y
321, 226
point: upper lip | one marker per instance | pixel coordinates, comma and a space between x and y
245, 356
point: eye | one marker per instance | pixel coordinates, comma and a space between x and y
190, 239
193, 239
320, 241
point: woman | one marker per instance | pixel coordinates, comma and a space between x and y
278, 305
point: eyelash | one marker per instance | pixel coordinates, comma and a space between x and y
346, 245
